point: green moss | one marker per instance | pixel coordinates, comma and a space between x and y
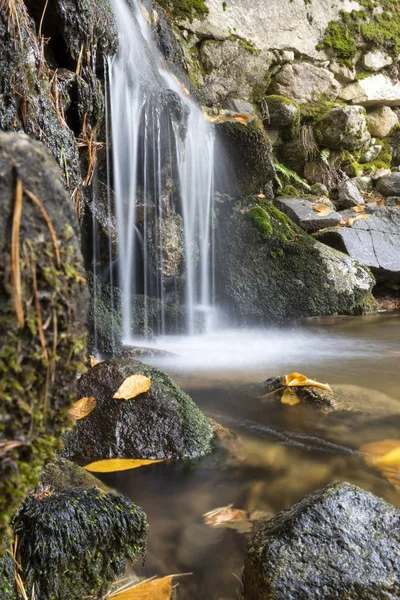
185, 9
316, 110
356, 169
386, 154
290, 190
261, 219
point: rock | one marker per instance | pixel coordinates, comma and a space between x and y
52, 293
302, 213
393, 201
304, 82
338, 542
272, 272
319, 189
169, 229
373, 91
163, 423
239, 107
373, 241
342, 72
233, 70
315, 172
248, 153
376, 60
343, 127
389, 185
294, 155
318, 398
7, 576
394, 141
381, 121
371, 154
75, 544
363, 183
62, 474
349, 195
281, 112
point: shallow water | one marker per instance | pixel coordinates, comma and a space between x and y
286, 452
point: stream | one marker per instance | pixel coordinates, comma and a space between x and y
285, 453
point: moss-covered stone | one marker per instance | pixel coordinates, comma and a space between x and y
183, 9
42, 315
7, 577
163, 423
75, 544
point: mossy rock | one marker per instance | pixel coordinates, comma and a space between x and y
184, 9
163, 423
270, 271
75, 544
44, 342
7, 576
62, 474
281, 112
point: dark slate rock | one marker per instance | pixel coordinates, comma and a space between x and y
349, 195
303, 214
374, 241
390, 185
339, 542
163, 423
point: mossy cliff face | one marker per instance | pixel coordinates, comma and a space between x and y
42, 314
269, 271
75, 543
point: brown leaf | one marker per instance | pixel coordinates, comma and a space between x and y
112, 465
359, 208
156, 589
82, 408
298, 380
133, 386
239, 118
322, 209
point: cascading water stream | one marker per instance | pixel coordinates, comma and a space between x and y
163, 165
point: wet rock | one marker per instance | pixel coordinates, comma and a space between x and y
373, 241
170, 230
163, 423
141, 352
338, 542
62, 474
305, 82
349, 195
381, 121
74, 544
42, 315
7, 576
269, 270
390, 185
303, 214
316, 397
343, 127
376, 60
282, 112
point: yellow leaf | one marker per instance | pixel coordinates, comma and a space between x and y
385, 456
112, 465
82, 408
290, 397
359, 208
392, 458
322, 209
94, 361
156, 589
298, 380
133, 386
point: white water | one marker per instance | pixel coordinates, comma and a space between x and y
149, 140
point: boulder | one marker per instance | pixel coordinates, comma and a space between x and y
390, 185
343, 127
303, 214
281, 112
373, 241
75, 543
305, 82
375, 60
338, 542
381, 121
343, 73
42, 314
163, 423
349, 195
373, 91
270, 271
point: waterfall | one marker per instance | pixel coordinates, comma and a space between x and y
163, 171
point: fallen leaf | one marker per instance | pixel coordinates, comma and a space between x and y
384, 455
290, 397
233, 518
94, 361
298, 380
349, 222
133, 386
155, 589
391, 458
82, 408
322, 209
112, 465
359, 208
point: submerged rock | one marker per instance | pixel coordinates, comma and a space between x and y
42, 314
338, 542
163, 423
74, 544
270, 271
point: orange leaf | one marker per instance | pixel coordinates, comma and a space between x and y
133, 386
156, 589
322, 209
112, 465
82, 408
359, 208
94, 361
384, 456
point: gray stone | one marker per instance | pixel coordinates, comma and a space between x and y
375, 60
371, 154
305, 82
344, 127
281, 112
393, 201
338, 542
374, 241
349, 195
373, 91
381, 121
303, 214
390, 185
363, 183
342, 72
238, 106
319, 189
